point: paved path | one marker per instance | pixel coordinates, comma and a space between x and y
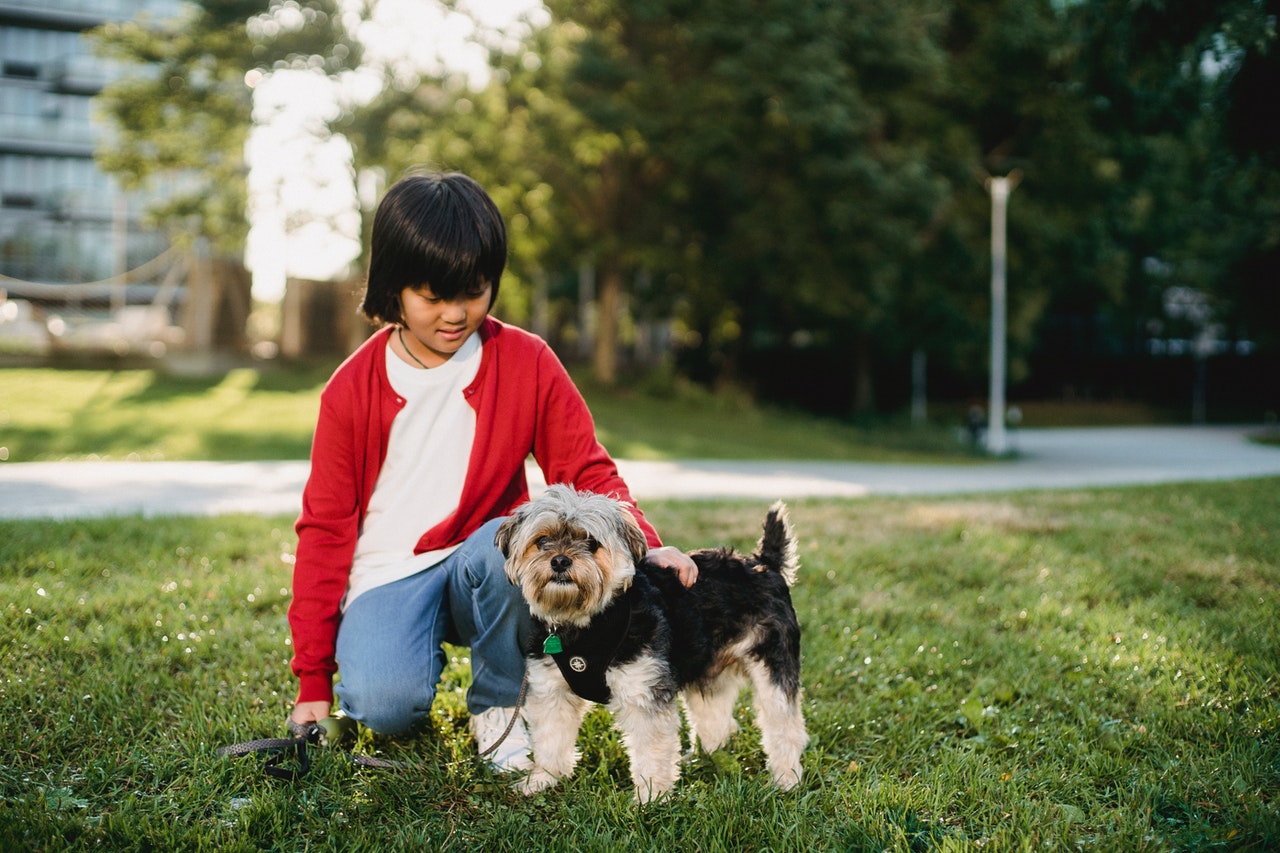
1049, 459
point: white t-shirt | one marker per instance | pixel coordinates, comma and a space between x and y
421, 481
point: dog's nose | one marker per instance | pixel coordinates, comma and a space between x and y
560, 564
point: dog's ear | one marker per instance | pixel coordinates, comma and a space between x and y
506, 531
634, 537
502, 538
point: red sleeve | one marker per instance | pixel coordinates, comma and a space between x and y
327, 530
565, 445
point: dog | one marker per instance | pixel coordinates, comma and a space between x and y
610, 629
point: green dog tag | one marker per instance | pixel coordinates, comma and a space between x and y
552, 646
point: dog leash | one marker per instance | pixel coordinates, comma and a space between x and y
515, 715
278, 749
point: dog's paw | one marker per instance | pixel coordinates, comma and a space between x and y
537, 780
787, 778
647, 792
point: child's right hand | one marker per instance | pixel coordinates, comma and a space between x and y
310, 712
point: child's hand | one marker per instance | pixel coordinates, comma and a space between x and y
310, 712
670, 557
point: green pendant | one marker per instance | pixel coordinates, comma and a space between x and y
552, 645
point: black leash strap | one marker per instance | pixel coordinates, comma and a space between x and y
304, 734
280, 748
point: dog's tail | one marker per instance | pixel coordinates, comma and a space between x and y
777, 548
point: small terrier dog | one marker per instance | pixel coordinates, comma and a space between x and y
612, 630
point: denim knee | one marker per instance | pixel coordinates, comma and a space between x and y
388, 706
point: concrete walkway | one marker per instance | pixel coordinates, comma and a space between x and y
1046, 459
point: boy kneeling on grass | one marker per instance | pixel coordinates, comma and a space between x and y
419, 452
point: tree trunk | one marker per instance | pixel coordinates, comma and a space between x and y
608, 299
919, 393
587, 308
863, 392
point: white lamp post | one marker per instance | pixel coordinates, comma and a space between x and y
1000, 188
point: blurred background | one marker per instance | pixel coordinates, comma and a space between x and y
792, 199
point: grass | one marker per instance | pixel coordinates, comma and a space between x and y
251, 414
248, 414
1092, 669
48, 414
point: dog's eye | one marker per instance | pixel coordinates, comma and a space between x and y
542, 541
592, 545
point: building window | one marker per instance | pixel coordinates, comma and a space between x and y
21, 70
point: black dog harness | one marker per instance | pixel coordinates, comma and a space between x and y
583, 655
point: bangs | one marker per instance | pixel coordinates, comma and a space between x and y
441, 231
448, 245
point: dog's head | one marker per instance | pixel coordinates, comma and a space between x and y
571, 553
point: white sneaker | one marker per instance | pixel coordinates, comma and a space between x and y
513, 753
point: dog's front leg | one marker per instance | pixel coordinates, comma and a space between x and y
651, 735
644, 710
554, 715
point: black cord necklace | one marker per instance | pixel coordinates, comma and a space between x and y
409, 352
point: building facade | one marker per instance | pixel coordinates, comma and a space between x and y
62, 220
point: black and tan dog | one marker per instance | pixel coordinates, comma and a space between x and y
610, 629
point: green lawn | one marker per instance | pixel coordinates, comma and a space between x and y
251, 414
49, 414
1068, 670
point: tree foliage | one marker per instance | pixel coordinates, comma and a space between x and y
801, 183
797, 182
180, 125
1177, 198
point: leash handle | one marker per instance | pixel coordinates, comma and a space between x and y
310, 732
304, 735
279, 749
313, 732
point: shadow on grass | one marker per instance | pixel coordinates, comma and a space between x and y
294, 378
286, 379
260, 444
164, 388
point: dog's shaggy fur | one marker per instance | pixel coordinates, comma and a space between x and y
630, 636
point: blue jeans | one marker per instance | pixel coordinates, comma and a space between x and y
389, 653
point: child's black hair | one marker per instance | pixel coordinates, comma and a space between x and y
438, 229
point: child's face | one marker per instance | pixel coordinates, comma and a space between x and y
439, 327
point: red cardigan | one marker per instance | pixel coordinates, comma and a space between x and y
525, 403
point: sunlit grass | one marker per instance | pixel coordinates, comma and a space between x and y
50, 414
1060, 670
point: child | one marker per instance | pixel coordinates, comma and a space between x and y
419, 451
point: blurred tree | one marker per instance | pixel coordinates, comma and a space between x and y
784, 180
770, 171
181, 122
1246, 178
804, 182
518, 135
1183, 118
568, 187
787, 177
1006, 108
